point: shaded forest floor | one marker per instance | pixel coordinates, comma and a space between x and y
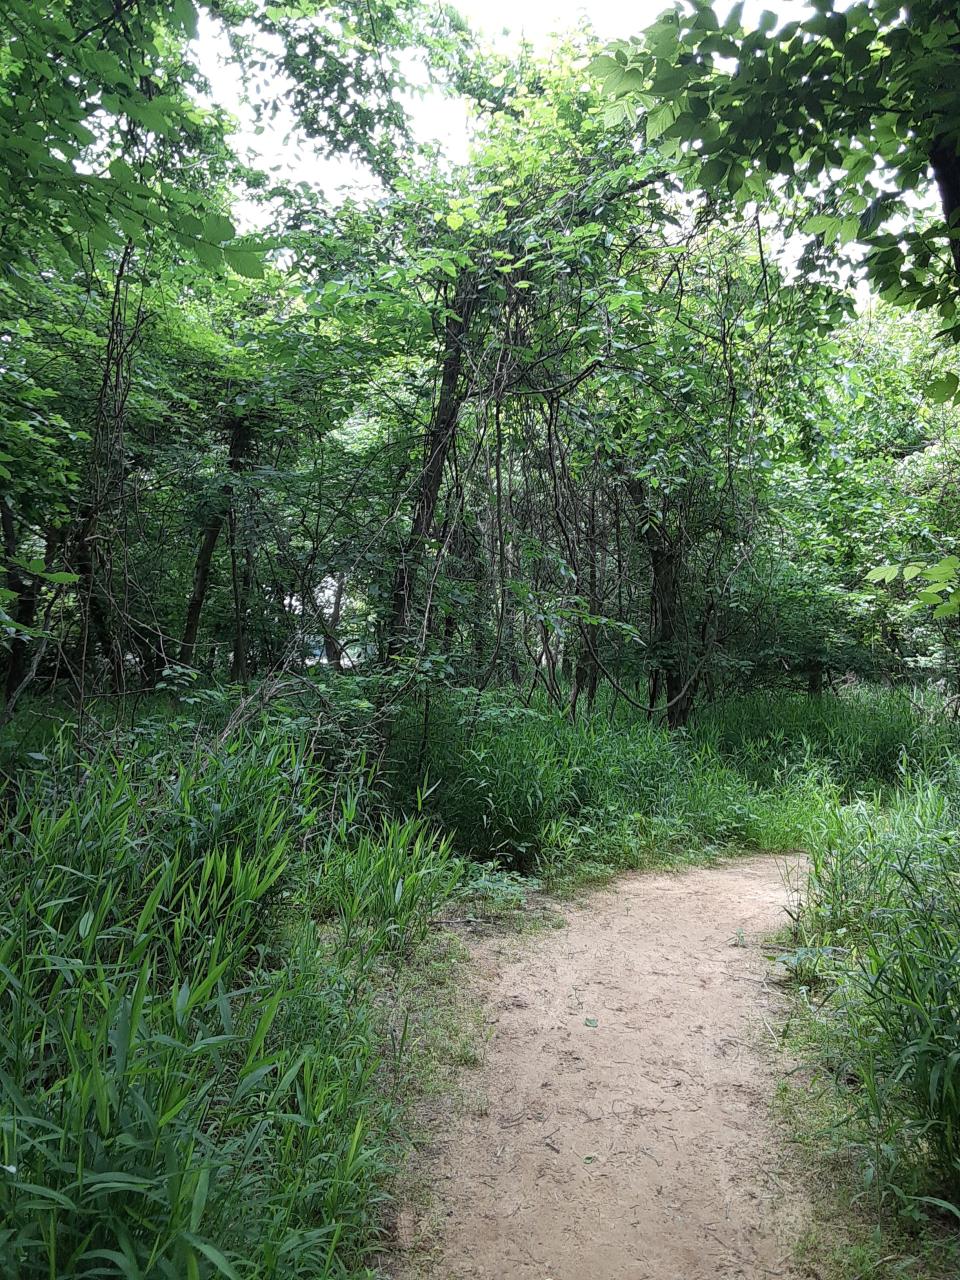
622, 1123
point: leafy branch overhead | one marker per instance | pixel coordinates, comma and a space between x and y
105, 137
857, 109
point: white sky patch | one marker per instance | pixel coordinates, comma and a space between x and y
436, 119
537, 20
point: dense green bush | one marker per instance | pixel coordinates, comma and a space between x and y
864, 738
576, 798
389, 879
500, 777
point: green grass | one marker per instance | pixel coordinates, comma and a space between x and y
209, 940
850, 1232
880, 931
191, 955
212, 926
864, 738
575, 802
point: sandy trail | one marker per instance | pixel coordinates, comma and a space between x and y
624, 1132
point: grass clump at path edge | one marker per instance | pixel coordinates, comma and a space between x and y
209, 941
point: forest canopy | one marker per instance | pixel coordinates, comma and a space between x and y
597, 407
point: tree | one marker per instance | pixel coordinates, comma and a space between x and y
856, 108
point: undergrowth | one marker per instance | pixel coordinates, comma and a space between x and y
192, 946
879, 934
210, 922
579, 800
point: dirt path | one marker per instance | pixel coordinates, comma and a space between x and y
623, 1132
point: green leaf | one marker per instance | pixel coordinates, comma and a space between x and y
940, 390
943, 570
660, 119
186, 13
46, 1193
245, 262
209, 255
218, 228
883, 573
823, 224
200, 1198
736, 177
214, 1255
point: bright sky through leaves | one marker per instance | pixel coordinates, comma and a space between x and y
445, 122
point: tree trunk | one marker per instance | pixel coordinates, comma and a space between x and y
331, 645
242, 586
23, 609
587, 673
97, 615
946, 169
678, 681
239, 445
440, 438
